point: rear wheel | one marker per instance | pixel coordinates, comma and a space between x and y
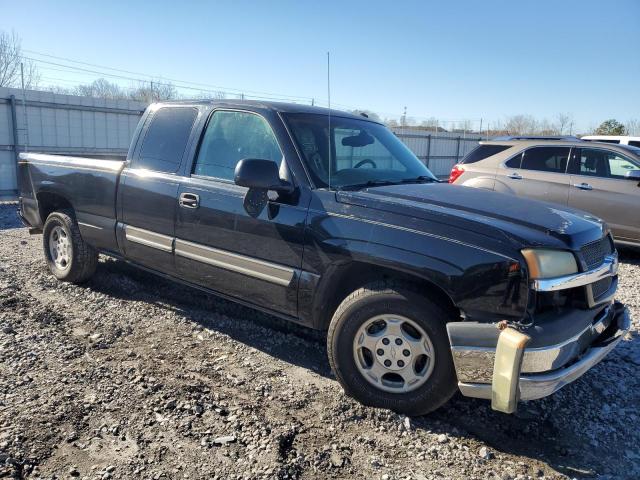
68, 256
388, 347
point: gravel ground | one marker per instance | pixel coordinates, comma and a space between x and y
131, 376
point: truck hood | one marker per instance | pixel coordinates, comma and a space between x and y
524, 221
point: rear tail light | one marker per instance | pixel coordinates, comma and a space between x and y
456, 171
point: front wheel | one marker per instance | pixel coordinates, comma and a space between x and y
68, 256
388, 347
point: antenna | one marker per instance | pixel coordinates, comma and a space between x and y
329, 103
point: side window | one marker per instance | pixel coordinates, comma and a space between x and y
514, 162
484, 151
592, 161
597, 162
231, 137
619, 165
634, 143
546, 159
166, 139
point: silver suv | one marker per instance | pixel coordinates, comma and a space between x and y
600, 178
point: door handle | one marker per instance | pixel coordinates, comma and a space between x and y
515, 176
189, 200
583, 186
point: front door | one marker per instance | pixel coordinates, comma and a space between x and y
218, 244
599, 186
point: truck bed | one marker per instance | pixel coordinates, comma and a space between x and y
89, 184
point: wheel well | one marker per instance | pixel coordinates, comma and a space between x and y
50, 202
358, 275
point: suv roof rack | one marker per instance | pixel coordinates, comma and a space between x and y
537, 137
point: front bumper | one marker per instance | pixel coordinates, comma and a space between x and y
543, 370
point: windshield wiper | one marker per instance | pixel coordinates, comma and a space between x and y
383, 183
419, 179
370, 183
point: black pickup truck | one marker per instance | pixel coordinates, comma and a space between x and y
327, 219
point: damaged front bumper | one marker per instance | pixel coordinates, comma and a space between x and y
505, 369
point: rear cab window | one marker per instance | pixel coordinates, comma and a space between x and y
166, 139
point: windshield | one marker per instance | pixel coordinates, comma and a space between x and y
363, 153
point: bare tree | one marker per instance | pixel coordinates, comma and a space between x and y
563, 124
633, 127
153, 92
10, 60
101, 88
521, 125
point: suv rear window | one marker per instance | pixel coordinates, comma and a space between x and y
483, 151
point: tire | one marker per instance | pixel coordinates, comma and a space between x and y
79, 261
400, 305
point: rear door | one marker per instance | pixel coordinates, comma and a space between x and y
148, 188
539, 173
599, 186
256, 258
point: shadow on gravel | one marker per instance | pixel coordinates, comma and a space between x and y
549, 430
253, 328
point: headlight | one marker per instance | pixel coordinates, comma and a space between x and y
549, 263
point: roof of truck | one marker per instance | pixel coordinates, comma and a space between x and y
267, 105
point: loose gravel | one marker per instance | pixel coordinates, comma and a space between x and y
132, 376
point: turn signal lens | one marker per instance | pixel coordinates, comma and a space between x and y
549, 263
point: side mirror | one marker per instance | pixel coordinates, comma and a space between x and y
633, 175
256, 173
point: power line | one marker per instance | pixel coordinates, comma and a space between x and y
104, 67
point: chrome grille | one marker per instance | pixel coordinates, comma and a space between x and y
593, 253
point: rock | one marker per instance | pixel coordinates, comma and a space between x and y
442, 438
407, 423
224, 439
73, 471
485, 453
336, 459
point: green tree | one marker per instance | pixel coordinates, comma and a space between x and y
611, 127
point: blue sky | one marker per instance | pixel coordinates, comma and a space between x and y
449, 59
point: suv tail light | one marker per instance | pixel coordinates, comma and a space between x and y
456, 171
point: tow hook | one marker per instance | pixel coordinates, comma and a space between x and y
506, 369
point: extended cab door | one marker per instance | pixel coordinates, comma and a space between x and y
599, 186
255, 258
148, 189
540, 173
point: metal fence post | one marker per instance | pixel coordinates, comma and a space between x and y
428, 149
458, 150
14, 125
